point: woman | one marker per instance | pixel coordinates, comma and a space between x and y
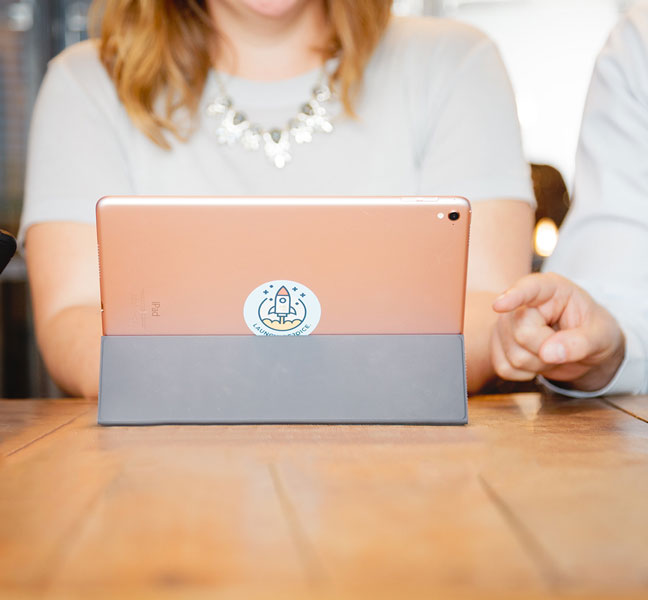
158, 106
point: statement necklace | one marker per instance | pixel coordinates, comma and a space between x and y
233, 126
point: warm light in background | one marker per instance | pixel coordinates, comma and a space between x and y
545, 237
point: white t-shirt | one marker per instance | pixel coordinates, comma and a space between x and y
603, 244
436, 115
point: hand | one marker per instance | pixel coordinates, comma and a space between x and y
549, 326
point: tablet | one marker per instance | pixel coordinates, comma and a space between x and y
282, 265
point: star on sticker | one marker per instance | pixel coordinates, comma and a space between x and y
266, 292
302, 295
294, 289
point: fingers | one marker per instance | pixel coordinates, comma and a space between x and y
532, 290
551, 326
594, 338
563, 350
525, 327
569, 346
516, 342
591, 354
503, 366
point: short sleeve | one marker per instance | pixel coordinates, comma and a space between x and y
474, 146
75, 155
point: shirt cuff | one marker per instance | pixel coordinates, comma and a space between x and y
630, 377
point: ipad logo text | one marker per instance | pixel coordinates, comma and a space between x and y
282, 307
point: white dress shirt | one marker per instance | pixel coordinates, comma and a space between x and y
603, 244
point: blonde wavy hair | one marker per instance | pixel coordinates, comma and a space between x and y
158, 51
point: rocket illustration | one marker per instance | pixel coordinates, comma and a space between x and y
282, 306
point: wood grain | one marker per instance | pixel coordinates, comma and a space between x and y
535, 498
637, 406
24, 421
576, 489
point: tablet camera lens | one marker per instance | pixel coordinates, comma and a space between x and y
453, 216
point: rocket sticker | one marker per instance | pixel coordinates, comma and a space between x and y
282, 307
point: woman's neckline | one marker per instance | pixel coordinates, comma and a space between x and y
267, 93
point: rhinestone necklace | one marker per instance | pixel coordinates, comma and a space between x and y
233, 127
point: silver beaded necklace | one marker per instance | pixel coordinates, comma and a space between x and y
233, 127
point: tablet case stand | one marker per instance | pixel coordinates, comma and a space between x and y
404, 379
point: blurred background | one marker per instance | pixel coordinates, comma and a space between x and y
548, 46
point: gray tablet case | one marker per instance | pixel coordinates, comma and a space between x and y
403, 379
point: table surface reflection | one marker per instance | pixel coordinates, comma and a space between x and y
538, 497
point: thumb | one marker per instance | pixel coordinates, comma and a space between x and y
567, 346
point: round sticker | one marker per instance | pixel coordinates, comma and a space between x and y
282, 307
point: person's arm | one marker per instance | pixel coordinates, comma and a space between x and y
78, 153
551, 327
500, 253
473, 149
64, 278
604, 240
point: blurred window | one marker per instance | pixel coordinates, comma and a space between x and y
549, 48
31, 32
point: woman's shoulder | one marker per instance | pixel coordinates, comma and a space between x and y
81, 63
82, 57
78, 73
433, 35
430, 52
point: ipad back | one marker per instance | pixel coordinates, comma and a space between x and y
188, 266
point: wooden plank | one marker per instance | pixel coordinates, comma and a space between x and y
574, 480
637, 406
400, 511
146, 508
23, 422
535, 498
46, 490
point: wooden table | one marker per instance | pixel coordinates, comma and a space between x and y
536, 498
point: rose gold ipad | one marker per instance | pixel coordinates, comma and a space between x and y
282, 266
